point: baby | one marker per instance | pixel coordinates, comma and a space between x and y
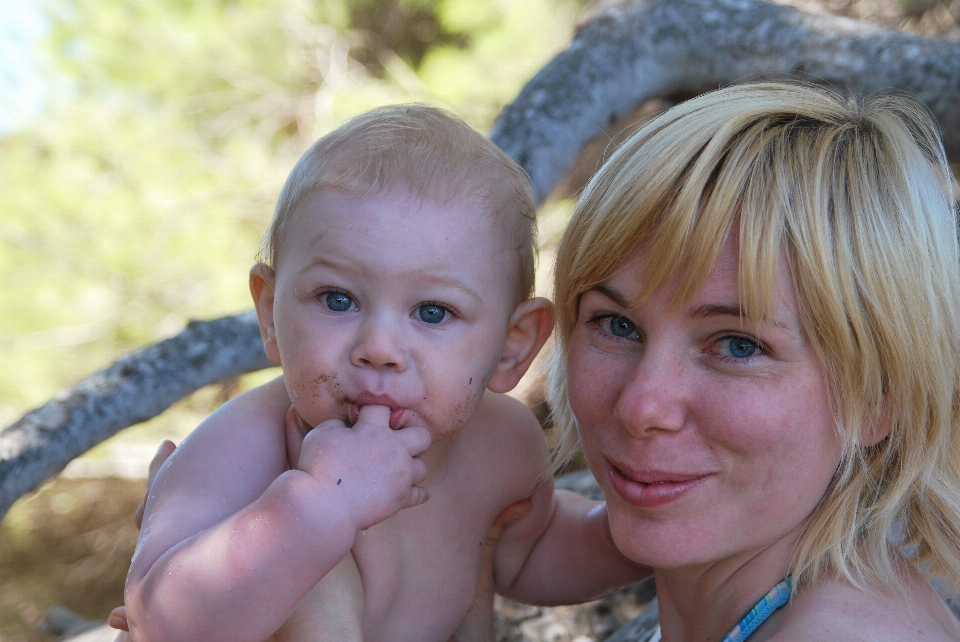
395, 292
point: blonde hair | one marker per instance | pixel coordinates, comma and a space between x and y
858, 195
425, 150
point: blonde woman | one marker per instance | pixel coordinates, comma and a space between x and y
758, 348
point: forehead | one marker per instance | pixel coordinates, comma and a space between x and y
398, 233
394, 212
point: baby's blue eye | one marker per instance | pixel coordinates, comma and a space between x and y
741, 347
338, 301
621, 327
432, 313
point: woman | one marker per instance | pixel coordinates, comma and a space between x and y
758, 298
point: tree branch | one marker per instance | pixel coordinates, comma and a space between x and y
636, 51
134, 389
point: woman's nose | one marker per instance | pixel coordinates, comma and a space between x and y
655, 397
379, 345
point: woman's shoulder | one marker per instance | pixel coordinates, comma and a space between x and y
834, 609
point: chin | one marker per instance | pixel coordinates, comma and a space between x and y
659, 545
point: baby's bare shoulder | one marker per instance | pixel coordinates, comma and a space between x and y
836, 610
504, 443
507, 421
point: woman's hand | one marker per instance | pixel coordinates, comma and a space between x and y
478, 625
118, 616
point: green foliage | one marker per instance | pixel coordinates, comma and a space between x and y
136, 201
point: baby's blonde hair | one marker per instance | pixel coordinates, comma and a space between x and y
857, 194
425, 150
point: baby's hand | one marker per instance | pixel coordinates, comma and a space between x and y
374, 469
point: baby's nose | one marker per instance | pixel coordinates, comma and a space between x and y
380, 346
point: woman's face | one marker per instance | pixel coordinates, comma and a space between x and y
712, 437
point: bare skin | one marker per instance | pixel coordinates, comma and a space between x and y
333, 610
396, 323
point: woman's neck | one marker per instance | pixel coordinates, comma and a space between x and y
704, 602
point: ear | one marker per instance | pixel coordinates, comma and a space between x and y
262, 280
529, 326
872, 435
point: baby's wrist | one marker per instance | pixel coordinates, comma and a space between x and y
315, 504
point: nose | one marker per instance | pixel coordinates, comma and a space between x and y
655, 398
380, 345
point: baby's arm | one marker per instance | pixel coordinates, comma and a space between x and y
231, 541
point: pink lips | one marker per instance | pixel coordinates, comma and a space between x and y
653, 489
397, 415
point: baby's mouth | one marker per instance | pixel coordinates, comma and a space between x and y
398, 416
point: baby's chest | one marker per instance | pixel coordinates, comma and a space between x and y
420, 571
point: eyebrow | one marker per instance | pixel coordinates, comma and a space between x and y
450, 282
611, 294
709, 310
705, 311
322, 261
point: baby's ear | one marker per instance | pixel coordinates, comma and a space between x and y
262, 282
530, 325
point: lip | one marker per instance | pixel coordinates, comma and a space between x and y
398, 415
653, 488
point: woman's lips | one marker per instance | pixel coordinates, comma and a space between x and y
653, 490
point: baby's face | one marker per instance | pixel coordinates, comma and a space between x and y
392, 301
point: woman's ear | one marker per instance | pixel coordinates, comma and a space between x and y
529, 326
876, 432
262, 280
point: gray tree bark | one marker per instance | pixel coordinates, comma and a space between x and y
624, 54
631, 52
134, 389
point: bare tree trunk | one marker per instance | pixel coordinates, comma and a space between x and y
631, 52
624, 54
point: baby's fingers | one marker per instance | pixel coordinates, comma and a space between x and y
418, 496
373, 415
295, 429
415, 439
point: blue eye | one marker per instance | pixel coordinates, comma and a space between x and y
621, 327
432, 313
741, 347
338, 301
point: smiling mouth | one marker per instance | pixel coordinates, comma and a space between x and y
654, 489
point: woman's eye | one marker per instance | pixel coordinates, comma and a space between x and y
621, 327
432, 313
338, 301
740, 347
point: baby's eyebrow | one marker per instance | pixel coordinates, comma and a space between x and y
449, 281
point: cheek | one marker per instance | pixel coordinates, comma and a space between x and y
456, 398
784, 434
317, 394
594, 383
